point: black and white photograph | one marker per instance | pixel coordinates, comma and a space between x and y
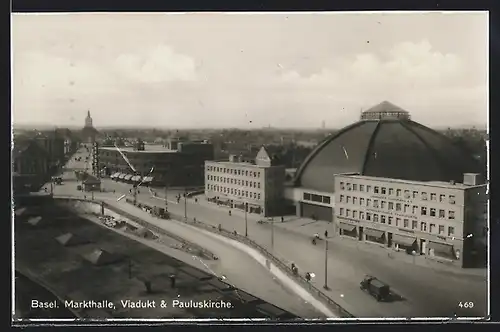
252, 166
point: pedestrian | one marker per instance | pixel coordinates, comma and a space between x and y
196, 200
326, 234
308, 276
282, 219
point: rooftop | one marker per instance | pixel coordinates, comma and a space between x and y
148, 148
437, 184
235, 164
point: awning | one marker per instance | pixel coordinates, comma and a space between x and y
136, 178
114, 175
440, 247
347, 227
407, 241
121, 176
127, 177
373, 232
147, 179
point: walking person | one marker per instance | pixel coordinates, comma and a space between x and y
326, 234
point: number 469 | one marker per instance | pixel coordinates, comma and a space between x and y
466, 305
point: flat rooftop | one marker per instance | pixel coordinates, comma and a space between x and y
437, 184
148, 148
68, 274
236, 164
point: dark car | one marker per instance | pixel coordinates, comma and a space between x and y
375, 288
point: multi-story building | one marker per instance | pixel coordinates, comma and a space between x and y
175, 165
438, 219
30, 165
258, 185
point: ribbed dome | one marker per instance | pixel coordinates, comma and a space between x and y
385, 146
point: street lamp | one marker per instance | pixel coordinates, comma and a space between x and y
185, 203
325, 286
246, 219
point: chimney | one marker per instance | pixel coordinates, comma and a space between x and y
472, 179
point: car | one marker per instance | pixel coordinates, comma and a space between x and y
375, 288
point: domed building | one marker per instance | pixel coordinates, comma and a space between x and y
384, 143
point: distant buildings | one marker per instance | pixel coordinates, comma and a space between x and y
236, 184
30, 166
176, 163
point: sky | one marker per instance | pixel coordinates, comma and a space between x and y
200, 70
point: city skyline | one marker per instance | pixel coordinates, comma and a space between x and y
249, 71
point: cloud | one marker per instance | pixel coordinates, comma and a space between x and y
406, 65
158, 65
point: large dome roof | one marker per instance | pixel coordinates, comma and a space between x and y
385, 143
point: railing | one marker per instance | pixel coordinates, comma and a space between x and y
341, 312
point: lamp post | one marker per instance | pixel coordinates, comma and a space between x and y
272, 235
185, 203
246, 219
325, 286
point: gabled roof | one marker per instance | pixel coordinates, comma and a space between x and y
102, 257
70, 239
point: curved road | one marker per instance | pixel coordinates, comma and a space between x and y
428, 292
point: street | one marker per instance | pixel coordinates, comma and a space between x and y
428, 293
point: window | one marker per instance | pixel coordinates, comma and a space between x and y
442, 198
423, 227
433, 212
375, 217
354, 187
406, 223
307, 197
361, 215
354, 200
382, 204
414, 209
398, 222
316, 198
423, 211
441, 214
342, 186
389, 220
433, 196
348, 185
258, 196
347, 213
398, 192
368, 202
413, 224
375, 203
382, 219
451, 230
424, 196
326, 199
407, 194
368, 216
432, 228
391, 206
348, 199
258, 185
441, 229
368, 188
391, 191
384, 191
451, 215
355, 214
407, 208
398, 206
376, 190
414, 194
341, 211
452, 199
361, 201
361, 187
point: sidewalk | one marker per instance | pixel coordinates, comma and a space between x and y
309, 227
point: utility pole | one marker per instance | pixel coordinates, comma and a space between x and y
325, 286
272, 235
166, 196
246, 220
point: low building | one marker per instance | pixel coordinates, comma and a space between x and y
176, 164
91, 183
30, 165
235, 183
445, 220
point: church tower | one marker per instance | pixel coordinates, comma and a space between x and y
88, 120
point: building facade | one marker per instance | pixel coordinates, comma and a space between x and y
30, 167
179, 167
236, 184
437, 219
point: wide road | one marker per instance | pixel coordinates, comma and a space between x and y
239, 269
428, 292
